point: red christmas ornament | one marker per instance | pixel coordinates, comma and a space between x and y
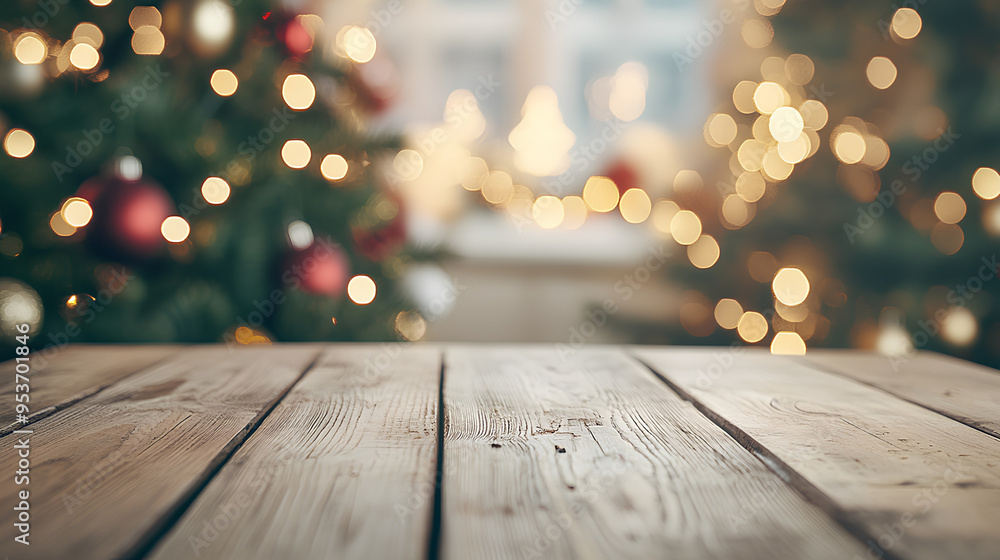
624, 176
321, 268
375, 84
378, 244
377, 237
294, 36
127, 217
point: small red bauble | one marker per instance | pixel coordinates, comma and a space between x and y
127, 217
624, 176
322, 268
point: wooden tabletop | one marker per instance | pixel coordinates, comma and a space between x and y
465, 452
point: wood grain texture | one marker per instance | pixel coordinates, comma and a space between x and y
61, 376
967, 392
107, 471
343, 468
921, 485
588, 455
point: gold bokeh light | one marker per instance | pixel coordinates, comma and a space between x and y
949, 207
224, 82
752, 327
799, 69
361, 289
575, 210
768, 97
334, 167
548, 212
76, 212
59, 225
743, 96
298, 92
600, 194
142, 16
906, 23
720, 129
728, 313
296, 154
849, 147
750, 186
635, 206
472, 173
29, 48
788, 343
84, 56
19, 143
790, 286
785, 124
881, 72
704, 252
88, 33
215, 190
148, 40
498, 188
175, 229
685, 227
663, 212
357, 43
986, 183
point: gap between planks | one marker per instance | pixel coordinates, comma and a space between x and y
142, 410
921, 389
59, 383
338, 467
796, 481
682, 478
798, 414
437, 519
148, 542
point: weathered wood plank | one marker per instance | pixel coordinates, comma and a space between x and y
344, 467
60, 377
919, 484
588, 455
967, 392
107, 472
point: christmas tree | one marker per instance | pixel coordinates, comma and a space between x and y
852, 200
192, 172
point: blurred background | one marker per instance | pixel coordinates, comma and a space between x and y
793, 175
